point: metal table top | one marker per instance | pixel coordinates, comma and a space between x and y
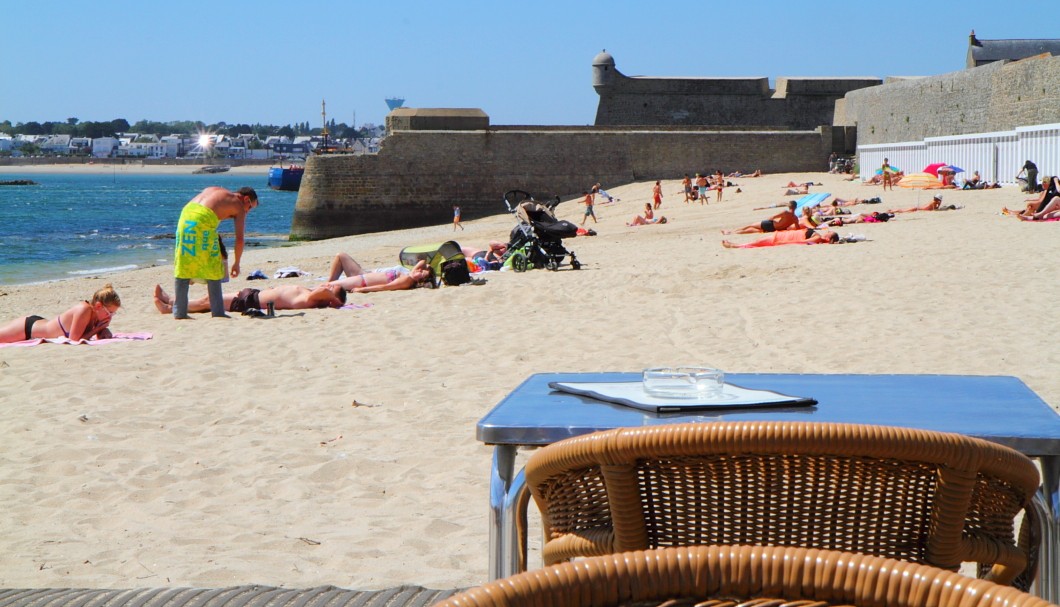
1001, 409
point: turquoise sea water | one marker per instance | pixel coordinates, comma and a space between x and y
72, 225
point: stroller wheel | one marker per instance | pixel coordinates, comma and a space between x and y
575, 264
553, 264
519, 262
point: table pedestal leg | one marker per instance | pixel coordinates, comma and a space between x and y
502, 526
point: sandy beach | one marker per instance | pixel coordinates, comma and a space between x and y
338, 446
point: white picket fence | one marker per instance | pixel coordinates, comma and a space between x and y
997, 156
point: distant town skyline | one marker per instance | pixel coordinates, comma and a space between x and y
268, 62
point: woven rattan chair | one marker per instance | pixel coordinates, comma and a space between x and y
720, 576
925, 497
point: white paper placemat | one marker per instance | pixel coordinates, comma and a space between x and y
632, 394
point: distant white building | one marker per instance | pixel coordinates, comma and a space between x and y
104, 147
142, 150
6, 143
173, 146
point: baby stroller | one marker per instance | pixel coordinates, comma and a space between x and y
537, 241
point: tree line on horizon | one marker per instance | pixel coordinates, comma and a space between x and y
75, 128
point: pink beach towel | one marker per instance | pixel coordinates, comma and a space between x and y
356, 306
118, 337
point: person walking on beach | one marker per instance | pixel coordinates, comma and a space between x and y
197, 253
456, 218
701, 183
656, 194
588, 208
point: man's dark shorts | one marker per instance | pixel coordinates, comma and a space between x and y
767, 226
246, 300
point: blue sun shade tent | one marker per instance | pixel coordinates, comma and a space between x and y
811, 200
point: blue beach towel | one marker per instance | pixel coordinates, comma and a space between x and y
810, 200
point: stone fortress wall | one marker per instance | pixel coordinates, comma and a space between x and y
433, 159
796, 103
647, 128
418, 175
994, 97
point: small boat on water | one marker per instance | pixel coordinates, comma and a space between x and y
287, 179
211, 168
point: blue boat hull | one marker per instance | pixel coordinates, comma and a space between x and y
285, 179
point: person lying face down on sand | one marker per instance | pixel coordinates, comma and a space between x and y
397, 278
784, 220
283, 297
85, 320
788, 237
934, 205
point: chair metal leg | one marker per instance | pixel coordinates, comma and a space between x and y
1047, 502
516, 506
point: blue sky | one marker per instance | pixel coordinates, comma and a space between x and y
272, 62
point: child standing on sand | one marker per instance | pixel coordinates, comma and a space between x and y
588, 208
456, 218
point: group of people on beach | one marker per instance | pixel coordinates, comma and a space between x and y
699, 190
811, 226
199, 254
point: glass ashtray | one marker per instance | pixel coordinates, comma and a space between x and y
684, 382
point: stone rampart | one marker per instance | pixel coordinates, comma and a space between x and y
993, 97
796, 103
418, 175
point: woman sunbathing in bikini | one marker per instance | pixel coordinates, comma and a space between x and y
283, 297
85, 320
788, 237
647, 218
874, 217
934, 205
396, 278
493, 253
